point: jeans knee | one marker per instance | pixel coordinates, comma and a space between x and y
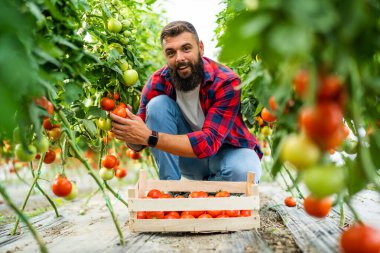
159, 105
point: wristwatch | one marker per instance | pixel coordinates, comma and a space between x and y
153, 139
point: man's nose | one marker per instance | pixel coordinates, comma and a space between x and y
180, 57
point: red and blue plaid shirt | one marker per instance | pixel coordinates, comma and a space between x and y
220, 103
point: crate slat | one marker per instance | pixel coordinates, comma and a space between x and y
195, 225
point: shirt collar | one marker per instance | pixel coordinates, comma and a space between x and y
208, 71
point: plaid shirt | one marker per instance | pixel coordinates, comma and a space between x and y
220, 104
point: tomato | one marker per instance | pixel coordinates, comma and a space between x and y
116, 96
130, 77
215, 213
114, 25
155, 215
134, 155
198, 194
290, 201
109, 161
205, 216
272, 103
141, 215
299, 151
25, 155
173, 214
266, 131
105, 124
45, 103
165, 196
154, 194
121, 173
170, 217
195, 214
61, 186
106, 174
187, 216
42, 145
116, 46
232, 213
323, 124
74, 192
124, 67
223, 216
301, 83
259, 120
331, 89
360, 238
245, 213
46, 124
346, 131
55, 133
267, 115
222, 194
120, 111
49, 157
317, 207
107, 104
324, 180
122, 105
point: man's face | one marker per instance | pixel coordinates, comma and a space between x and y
184, 58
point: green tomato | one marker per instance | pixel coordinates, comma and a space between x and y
25, 155
74, 192
350, 146
324, 180
124, 66
127, 33
114, 25
130, 77
42, 145
105, 124
116, 46
266, 131
299, 151
126, 23
106, 174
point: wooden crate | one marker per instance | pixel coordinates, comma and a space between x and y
248, 201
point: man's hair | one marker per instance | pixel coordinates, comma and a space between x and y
176, 28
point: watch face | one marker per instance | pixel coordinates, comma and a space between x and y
153, 139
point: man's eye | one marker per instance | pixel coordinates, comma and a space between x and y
170, 53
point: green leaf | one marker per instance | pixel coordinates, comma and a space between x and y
90, 127
96, 112
72, 92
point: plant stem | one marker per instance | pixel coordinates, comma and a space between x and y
24, 219
295, 183
92, 194
44, 193
117, 195
13, 232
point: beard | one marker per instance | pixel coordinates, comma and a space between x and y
189, 83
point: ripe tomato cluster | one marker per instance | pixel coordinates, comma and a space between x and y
111, 168
199, 214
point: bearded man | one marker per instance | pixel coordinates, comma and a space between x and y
190, 115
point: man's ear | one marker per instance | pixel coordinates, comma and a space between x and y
201, 48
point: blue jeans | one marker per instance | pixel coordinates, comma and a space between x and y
228, 164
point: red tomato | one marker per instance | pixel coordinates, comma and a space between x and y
272, 103
187, 216
360, 238
331, 89
222, 194
46, 124
121, 172
267, 115
45, 103
109, 161
290, 201
116, 96
205, 216
107, 104
165, 196
122, 105
61, 186
120, 111
301, 83
232, 213
134, 155
141, 215
223, 216
54, 133
317, 207
193, 213
215, 213
155, 215
172, 215
154, 194
245, 213
198, 194
49, 157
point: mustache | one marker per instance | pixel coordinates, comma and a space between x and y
182, 64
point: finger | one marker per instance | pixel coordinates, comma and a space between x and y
118, 132
129, 107
118, 125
